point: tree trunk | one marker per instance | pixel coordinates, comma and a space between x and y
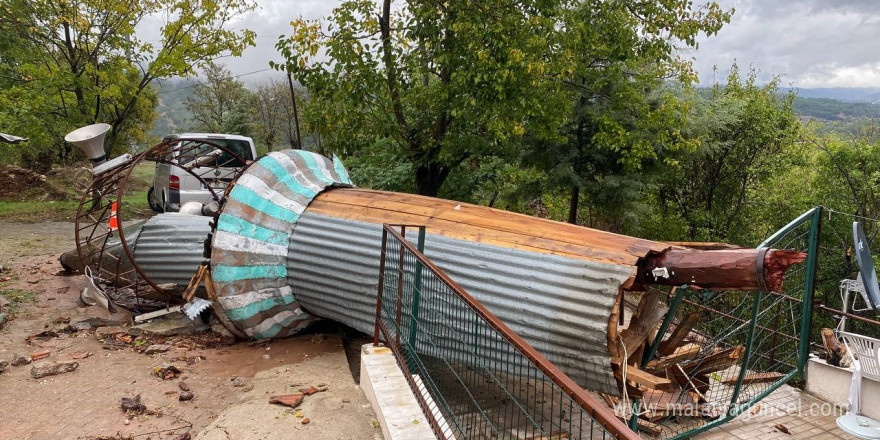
573, 204
430, 177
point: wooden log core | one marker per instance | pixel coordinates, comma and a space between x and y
725, 269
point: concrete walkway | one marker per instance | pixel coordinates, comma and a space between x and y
805, 417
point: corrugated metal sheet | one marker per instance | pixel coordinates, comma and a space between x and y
253, 231
559, 305
169, 247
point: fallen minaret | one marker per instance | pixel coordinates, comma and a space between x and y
294, 240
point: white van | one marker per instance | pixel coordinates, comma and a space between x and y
173, 186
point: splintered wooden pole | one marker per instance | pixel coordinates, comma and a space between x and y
679, 334
726, 269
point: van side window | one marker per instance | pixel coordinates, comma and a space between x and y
239, 147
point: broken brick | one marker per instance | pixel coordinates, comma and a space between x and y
291, 400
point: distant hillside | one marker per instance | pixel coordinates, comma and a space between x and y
853, 94
172, 115
835, 110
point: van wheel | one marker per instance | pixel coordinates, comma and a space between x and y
152, 202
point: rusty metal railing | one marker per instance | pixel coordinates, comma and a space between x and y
472, 375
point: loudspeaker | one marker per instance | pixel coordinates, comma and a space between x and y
91, 140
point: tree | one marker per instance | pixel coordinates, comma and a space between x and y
220, 103
85, 63
747, 136
442, 82
457, 80
274, 115
628, 105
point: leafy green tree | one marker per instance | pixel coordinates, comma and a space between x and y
444, 82
748, 135
458, 81
221, 103
84, 62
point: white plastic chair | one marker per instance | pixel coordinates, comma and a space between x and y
867, 350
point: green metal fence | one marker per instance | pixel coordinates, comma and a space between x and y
473, 376
767, 332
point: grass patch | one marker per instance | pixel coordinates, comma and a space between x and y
16, 298
33, 206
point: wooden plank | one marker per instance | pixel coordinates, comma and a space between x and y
678, 375
716, 362
644, 425
457, 230
613, 340
678, 335
648, 315
611, 401
482, 216
645, 379
682, 354
755, 378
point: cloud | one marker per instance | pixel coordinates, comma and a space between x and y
814, 43
808, 43
270, 20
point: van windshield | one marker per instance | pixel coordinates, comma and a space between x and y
239, 147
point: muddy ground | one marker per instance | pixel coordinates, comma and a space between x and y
231, 381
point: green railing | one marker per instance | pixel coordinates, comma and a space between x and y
767, 332
473, 376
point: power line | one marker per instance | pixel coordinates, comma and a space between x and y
198, 84
830, 210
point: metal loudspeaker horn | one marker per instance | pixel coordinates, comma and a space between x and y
91, 140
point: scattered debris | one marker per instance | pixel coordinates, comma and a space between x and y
176, 324
2, 320
79, 355
306, 421
183, 386
107, 331
837, 353
157, 348
185, 436
133, 404
291, 400
114, 344
781, 428
3, 365
42, 336
40, 354
5, 279
156, 314
238, 382
185, 396
19, 360
43, 369
310, 390
94, 323
166, 372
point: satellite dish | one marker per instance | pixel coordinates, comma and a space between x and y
866, 266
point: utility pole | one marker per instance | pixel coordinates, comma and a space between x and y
299, 144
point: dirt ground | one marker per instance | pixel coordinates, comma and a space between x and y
85, 403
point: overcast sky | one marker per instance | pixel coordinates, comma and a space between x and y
810, 43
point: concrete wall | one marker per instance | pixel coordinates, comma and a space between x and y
832, 385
